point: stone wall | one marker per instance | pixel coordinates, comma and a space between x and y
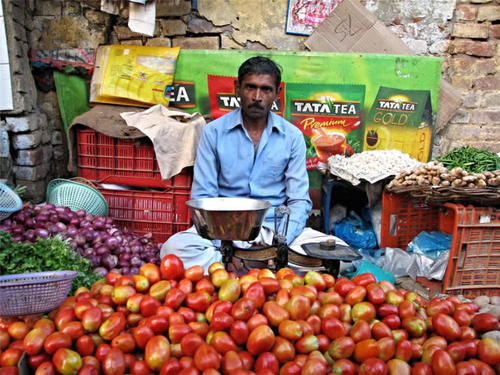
465, 33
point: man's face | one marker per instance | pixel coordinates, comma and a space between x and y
257, 93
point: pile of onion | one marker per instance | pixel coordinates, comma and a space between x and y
96, 238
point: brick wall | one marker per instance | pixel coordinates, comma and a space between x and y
473, 68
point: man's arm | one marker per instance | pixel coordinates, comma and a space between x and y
205, 183
297, 189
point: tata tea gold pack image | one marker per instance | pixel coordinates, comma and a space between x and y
400, 120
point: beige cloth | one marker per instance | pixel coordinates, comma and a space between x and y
175, 135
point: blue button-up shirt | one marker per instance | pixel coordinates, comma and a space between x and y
228, 165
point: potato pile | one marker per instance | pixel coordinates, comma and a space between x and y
434, 173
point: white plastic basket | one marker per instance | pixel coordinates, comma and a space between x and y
9, 201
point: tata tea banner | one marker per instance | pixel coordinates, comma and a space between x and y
343, 102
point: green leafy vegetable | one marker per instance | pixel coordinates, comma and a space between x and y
471, 159
51, 254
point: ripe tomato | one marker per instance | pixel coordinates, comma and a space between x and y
243, 309
222, 342
283, 350
341, 347
364, 279
157, 352
159, 324
151, 272
256, 293
18, 330
190, 342
485, 322
489, 351
10, 357
141, 335
67, 361
332, 327
113, 326
56, 341
231, 362
260, 340
239, 332
206, 357
442, 363
114, 362
386, 348
194, 273
446, 326
373, 366
171, 267
366, 349
399, 367
343, 286
125, 342
355, 295
421, 368
85, 345
46, 368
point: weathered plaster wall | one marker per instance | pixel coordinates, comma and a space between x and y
465, 33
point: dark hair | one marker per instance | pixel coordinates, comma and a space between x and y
260, 65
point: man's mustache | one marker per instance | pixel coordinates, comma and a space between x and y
256, 105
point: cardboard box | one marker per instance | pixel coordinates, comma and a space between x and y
352, 28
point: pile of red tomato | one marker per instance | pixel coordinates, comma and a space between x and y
169, 320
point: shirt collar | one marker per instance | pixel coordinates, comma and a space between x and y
272, 121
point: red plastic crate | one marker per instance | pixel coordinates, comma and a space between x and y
122, 161
474, 263
162, 213
404, 217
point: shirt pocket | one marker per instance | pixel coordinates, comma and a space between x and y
276, 166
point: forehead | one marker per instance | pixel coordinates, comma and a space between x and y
259, 80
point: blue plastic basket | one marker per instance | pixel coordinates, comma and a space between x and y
9, 201
34, 293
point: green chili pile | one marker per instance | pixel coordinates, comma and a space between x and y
471, 159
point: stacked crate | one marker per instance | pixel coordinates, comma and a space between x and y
474, 263
154, 205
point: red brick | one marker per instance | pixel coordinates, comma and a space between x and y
471, 47
487, 83
470, 30
466, 12
464, 64
462, 82
495, 31
488, 13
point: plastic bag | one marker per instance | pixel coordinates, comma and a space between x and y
356, 231
430, 244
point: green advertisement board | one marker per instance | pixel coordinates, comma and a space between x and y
355, 101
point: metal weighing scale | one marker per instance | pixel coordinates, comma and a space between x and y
240, 219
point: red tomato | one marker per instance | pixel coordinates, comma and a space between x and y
85, 345
206, 357
256, 321
399, 367
365, 349
256, 293
267, 361
56, 341
375, 293
373, 366
141, 335
125, 342
171, 367
331, 327
10, 357
66, 361
363, 311
157, 352
149, 305
18, 330
283, 350
177, 331
344, 367
260, 340
159, 324
239, 332
33, 341
222, 342
243, 309
485, 322
151, 272
421, 368
386, 348
404, 350
113, 326
380, 329
46, 368
360, 331
489, 351
446, 326
101, 351
386, 309
442, 363
171, 267
114, 362
364, 279
341, 347
343, 286
190, 342
355, 295
92, 319
457, 351
194, 273
466, 368
231, 362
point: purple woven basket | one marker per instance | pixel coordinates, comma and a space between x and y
34, 293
